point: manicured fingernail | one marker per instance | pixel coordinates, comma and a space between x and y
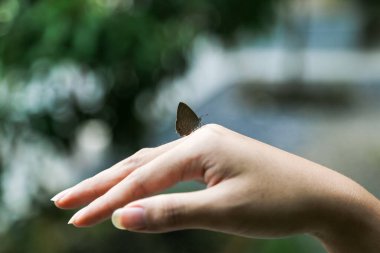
59, 195
129, 218
71, 221
76, 216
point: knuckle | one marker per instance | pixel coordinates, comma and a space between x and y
213, 127
208, 137
139, 157
133, 161
144, 151
211, 131
165, 218
171, 214
136, 186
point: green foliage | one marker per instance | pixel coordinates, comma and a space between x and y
140, 34
132, 45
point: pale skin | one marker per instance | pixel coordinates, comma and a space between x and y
253, 190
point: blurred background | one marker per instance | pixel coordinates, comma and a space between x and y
83, 84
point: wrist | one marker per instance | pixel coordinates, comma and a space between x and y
351, 220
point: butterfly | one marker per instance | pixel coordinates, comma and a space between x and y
187, 121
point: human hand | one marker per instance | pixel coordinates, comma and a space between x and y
253, 190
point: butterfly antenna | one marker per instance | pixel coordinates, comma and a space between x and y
203, 115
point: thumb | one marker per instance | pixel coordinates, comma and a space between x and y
164, 213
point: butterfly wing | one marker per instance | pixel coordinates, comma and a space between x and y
187, 121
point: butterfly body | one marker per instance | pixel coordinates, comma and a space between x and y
187, 121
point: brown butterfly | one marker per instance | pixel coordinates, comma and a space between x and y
187, 121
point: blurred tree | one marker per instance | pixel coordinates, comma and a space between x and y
370, 37
131, 44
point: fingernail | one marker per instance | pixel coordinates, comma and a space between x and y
59, 195
129, 218
71, 221
76, 216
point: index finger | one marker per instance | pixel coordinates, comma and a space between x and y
86, 191
177, 164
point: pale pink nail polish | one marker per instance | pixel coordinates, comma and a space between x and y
60, 195
132, 218
76, 216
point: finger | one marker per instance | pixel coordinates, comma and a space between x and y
91, 188
176, 165
170, 212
